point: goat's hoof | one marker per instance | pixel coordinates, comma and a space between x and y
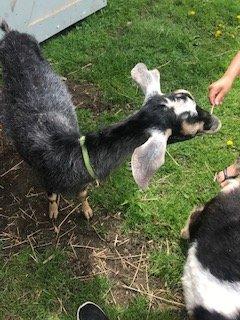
53, 211
88, 213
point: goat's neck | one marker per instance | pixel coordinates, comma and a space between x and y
109, 147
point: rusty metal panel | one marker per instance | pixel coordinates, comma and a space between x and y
44, 18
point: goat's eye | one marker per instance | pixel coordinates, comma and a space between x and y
178, 96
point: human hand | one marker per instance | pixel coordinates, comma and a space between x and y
217, 90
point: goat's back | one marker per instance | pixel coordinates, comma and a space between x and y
218, 236
31, 86
39, 113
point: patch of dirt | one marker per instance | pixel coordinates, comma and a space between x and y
24, 222
87, 96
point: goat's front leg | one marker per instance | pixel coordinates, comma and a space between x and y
148, 80
87, 210
54, 200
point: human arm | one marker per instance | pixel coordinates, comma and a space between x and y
218, 89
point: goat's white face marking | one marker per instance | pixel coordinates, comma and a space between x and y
185, 107
181, 106
201, 288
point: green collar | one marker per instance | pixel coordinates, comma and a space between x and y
86, 158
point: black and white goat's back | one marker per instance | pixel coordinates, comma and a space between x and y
211, 280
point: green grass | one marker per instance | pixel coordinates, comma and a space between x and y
36, 289
39, 290
184, 48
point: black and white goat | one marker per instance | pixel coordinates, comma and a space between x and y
211, 280
42, 123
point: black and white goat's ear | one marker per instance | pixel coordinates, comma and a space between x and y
148, 158
148, 80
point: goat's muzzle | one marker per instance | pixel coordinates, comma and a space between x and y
214, 126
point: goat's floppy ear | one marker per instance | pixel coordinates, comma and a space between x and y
147, 158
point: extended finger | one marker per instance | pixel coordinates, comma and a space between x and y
219, 98
213, 94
